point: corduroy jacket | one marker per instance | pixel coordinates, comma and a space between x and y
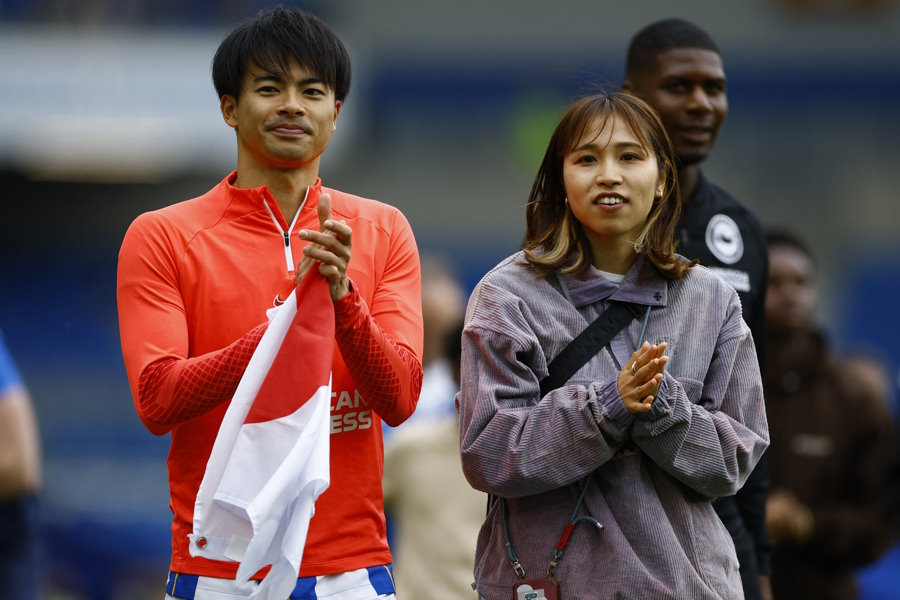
653, 476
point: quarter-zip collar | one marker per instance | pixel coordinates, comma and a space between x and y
642, 285
260, 198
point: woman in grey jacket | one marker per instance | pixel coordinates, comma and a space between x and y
602, 484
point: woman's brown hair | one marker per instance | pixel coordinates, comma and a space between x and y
554, 239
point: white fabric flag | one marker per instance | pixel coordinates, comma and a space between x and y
270, 460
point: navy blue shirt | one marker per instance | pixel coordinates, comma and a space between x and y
729, 239
9, 373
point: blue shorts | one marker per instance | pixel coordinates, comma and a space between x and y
362, 584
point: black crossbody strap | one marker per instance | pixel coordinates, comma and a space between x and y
594, 337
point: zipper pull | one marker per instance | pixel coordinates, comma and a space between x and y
287, 240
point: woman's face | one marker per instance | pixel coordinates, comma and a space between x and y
611, 181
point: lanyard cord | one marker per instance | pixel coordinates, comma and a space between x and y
510, 551
573, 521
563, 540
644, 326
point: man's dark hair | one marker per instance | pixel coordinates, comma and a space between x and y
273, 39
783, 237
658, 37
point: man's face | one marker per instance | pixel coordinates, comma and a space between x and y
282, 120
687, 89
791, 295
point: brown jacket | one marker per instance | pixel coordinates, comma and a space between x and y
830, 444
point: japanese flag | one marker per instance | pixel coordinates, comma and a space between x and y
270, 459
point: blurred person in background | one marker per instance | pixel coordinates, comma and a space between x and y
868, 367
677, 68
436, 514
20, 483
443, 306
831, 442
195, 281
658, 417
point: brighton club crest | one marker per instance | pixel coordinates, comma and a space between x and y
723, 238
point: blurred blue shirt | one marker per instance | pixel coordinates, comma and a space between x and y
9, 373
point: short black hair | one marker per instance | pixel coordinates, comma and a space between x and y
777, 236
272, 40
658, 37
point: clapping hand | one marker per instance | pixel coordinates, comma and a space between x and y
639, 379
330, 248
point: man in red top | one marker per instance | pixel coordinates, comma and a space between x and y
195, 280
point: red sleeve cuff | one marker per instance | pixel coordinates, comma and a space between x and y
349, 309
